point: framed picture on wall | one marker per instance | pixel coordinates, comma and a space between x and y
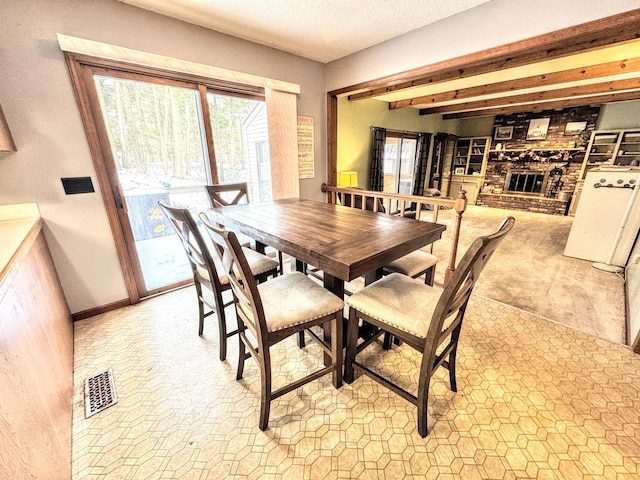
458, 171
503, 133
574, 128
538, 128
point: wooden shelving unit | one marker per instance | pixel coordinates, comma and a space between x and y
629, 148
468, 166
612, 147
608, 148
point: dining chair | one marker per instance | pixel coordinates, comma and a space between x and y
414, 265
425, 318
224, 194
274, 311
206, 273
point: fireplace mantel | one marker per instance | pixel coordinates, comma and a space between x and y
543, 155
558, 156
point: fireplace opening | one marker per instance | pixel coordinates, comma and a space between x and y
525, 182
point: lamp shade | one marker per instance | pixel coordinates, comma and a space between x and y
6, 140
348, 179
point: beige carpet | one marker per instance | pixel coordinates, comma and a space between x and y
530, 272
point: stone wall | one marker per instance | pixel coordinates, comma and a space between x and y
559, 156
499, 164
556, 138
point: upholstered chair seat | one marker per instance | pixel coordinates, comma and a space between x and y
414, 264
398, 300
258, 263
292, 300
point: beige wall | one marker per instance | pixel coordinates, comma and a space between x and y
36, 96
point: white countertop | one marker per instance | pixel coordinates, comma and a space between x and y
16, 221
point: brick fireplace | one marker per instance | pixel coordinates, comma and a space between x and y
536, 175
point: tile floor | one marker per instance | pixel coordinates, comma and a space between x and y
536, 400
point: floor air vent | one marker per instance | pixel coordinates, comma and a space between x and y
99, 393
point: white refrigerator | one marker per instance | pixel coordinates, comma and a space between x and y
607, 220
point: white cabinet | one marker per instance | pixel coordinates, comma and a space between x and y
468, 183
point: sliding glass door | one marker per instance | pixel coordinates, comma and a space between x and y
160, 148
156, 138
399, 160
241, 142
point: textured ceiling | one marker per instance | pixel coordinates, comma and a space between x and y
322, 30
325, 30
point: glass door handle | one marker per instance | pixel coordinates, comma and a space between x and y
117, 197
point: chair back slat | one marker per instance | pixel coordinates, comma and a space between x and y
457, 292
243, 283
224, 194
461, 296
200, 259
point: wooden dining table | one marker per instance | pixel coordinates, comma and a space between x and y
345, 243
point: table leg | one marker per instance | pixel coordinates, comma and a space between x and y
371, 277
260, 247
301, 267
336, 286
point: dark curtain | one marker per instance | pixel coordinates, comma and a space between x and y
377, 159
421, 163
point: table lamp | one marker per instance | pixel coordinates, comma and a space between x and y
348, 179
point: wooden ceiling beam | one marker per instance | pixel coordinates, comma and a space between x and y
559, 93
543, 80
549, 105
586, 37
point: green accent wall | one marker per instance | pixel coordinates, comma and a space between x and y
355, 119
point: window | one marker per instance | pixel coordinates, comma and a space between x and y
239, 125
157, 138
